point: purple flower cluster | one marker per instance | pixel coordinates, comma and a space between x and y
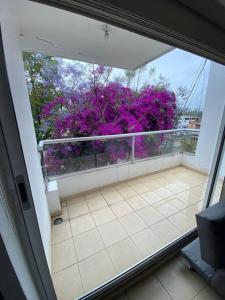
107, 110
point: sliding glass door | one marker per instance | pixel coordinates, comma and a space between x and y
128, 201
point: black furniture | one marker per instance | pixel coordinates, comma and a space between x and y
206, 254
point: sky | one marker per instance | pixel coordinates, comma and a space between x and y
180, 69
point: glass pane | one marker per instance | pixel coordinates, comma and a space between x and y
111, 82
151, 145
67, 158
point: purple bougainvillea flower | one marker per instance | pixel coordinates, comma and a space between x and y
107, 110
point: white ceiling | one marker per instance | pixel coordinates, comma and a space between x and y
60, 33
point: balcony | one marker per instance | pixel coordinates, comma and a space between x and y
116, 212
119, 202
104, 160
108, 230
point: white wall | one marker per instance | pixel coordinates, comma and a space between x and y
78, 183
212, 115
19, 91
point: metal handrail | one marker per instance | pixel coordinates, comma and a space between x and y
106, 137
113, 136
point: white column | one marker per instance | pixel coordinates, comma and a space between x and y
212, 115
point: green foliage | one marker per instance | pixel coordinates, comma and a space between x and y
189, 145
39, 92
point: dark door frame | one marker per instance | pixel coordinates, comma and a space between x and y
16, 180
10, 287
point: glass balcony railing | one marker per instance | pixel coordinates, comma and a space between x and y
64, 156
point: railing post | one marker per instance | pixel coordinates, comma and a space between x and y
133, 148
44, 170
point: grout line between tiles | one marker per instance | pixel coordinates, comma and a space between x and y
118, 218
204, 287
81, 280
164, 288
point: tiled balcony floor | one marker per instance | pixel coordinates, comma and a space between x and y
108, 230
172, 281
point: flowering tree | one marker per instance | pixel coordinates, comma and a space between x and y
76, 100
107, 108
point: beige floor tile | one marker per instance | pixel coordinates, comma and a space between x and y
175, 191
140, 188
177, 202
180, 283
132, 223
103, 215
177, 278
143, 179
124, 254
121, 208
151, 185
112, 232
174, 171
199, 205
188, 197
168, 176
182, 176
151, 197
163, 193
75, 200
88, 243
112, 197
207, 294
127, 192
175, 188
148, 289
182, 184
67, 283
82, 224
63, 255
160, 203
78, 209
61, 232
199, 176
96, 269
150, 215
162, 181
167, 210
199, 190
182, 221
96, 202
191, 181
137, 202
166, 231
147, 242
192, 209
